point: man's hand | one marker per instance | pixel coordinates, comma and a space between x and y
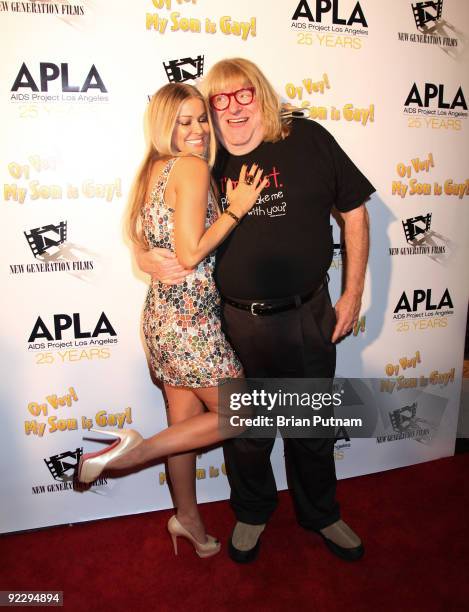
161, 265
347, 311
356, 234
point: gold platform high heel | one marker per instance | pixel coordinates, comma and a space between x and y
93, 464
210, 548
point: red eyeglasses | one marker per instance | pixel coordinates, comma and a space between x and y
243, 96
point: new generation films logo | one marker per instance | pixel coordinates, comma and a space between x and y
419, 421
53, 253
427, 14
431, 28
417, 226
62, 468
422, 240
64, 9
407, 425
50, 82
42, 239
184, 69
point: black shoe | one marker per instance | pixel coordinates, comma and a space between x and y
340, 539
243, 556
247, 537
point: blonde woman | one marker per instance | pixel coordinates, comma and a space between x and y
172, 206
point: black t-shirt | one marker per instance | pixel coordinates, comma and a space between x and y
284, 246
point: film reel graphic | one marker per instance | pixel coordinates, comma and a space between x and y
184, 69
417, 226
427, 12
41, 239
62, 466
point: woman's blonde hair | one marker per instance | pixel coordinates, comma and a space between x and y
221, 76
160, 120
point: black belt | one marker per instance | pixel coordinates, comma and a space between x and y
266, 308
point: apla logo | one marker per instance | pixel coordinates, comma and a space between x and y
338, 253
323, 7
341, 442
432, 91
63, 322
422, 296
185, 69
53, 84
50, 72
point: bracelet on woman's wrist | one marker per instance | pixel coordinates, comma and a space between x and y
232, 215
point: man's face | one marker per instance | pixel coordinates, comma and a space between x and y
239, 127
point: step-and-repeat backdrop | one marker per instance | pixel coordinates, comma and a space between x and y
390, 80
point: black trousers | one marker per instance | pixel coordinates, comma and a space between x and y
291, 344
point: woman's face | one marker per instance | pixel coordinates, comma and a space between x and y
191, 132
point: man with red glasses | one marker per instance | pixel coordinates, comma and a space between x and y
272, 275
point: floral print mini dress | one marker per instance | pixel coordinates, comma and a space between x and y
181, 323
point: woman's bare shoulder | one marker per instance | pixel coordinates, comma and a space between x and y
189, 170
191, 163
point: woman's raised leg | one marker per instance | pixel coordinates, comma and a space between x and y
184, 404
196, 432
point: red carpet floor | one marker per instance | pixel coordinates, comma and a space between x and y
413, 521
